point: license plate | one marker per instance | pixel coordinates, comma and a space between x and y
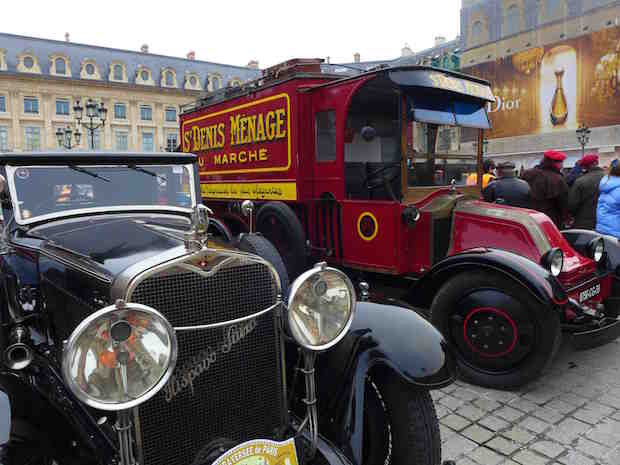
261, 452
589, 293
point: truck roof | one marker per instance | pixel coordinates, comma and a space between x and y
223, 95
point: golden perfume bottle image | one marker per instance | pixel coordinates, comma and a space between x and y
559, 106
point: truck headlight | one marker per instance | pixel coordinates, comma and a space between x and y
554, 261
120, 356
596, 249
321, 306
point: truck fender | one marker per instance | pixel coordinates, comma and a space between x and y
385, 337
533, 277
580, 238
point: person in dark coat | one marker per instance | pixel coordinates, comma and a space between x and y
548, 189
508, 189
583, 195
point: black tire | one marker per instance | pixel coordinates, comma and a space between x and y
400, 425
258, 245
502, 335
279, 223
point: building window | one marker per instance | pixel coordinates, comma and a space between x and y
171, 142
4, 138
512, 20
90, 69
32, 138
144, 75
31, 105
2, 104
476, 32
171, 114
146, 113
147, 142
28, 62
325, 122
62, 107
193, 81
169, 79
216, 82
120, 111
94, 141
122, 141
118, 73
61, 66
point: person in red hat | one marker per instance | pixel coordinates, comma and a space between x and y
583, 195
548, 189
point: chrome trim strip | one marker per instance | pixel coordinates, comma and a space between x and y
230, 322
80, 211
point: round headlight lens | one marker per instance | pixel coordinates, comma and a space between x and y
597, 249
321, 307
119, 356
556, 262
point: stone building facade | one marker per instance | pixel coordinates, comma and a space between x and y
521, 34
41, 80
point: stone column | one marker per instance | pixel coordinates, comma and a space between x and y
134, 139
16, 110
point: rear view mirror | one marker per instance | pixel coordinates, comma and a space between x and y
368, 133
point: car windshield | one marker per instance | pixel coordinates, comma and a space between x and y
40, 192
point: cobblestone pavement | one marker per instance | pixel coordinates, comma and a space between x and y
571, 416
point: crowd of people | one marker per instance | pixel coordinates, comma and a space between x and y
588, 197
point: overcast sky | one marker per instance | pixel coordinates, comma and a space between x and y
237, 31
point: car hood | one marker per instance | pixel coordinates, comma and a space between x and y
111, 244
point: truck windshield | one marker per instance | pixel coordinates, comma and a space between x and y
39, 192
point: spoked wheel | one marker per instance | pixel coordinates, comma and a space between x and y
400, 425
503, 336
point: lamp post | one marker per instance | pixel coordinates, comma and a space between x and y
64, 137
96, 115
583, 136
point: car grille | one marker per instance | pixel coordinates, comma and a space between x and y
227, 383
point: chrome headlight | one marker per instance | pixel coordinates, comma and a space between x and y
596, 249
321, 306
554, 261
120, 356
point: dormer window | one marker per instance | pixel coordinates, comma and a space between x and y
215, 82
144, 76
28, 63
59, 65
235, 82
168, 77
192, 81
117, 72
2, 59
89, 70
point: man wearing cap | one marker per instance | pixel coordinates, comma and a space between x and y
583, 195
548, 189
508, 189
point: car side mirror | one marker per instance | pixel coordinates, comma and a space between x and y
368, 133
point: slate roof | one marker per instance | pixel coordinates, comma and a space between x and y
43, 48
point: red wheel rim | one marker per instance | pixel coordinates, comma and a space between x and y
473, 318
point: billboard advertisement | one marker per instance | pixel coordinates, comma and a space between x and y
555, 87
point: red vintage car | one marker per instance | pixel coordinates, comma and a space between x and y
369, 173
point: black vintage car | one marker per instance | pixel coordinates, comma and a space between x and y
134, 332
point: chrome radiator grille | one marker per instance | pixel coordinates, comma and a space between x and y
228, 380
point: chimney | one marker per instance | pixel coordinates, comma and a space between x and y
328, 60
406, 51
191, 55
356, 57
144, 48
67, 37
253, 64
439, 40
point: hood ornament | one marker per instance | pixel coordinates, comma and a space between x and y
197, 237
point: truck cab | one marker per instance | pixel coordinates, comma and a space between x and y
369, 172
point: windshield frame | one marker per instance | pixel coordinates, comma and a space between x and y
11, 169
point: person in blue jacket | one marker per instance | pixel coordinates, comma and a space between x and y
608, 209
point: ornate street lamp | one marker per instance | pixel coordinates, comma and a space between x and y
94, 112
64, 137
583, 136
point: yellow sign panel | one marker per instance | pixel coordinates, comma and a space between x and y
261, 452
250, 190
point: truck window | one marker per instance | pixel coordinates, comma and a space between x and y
325, 123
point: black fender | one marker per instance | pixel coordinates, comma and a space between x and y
219, 229
537, 280
393, 339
